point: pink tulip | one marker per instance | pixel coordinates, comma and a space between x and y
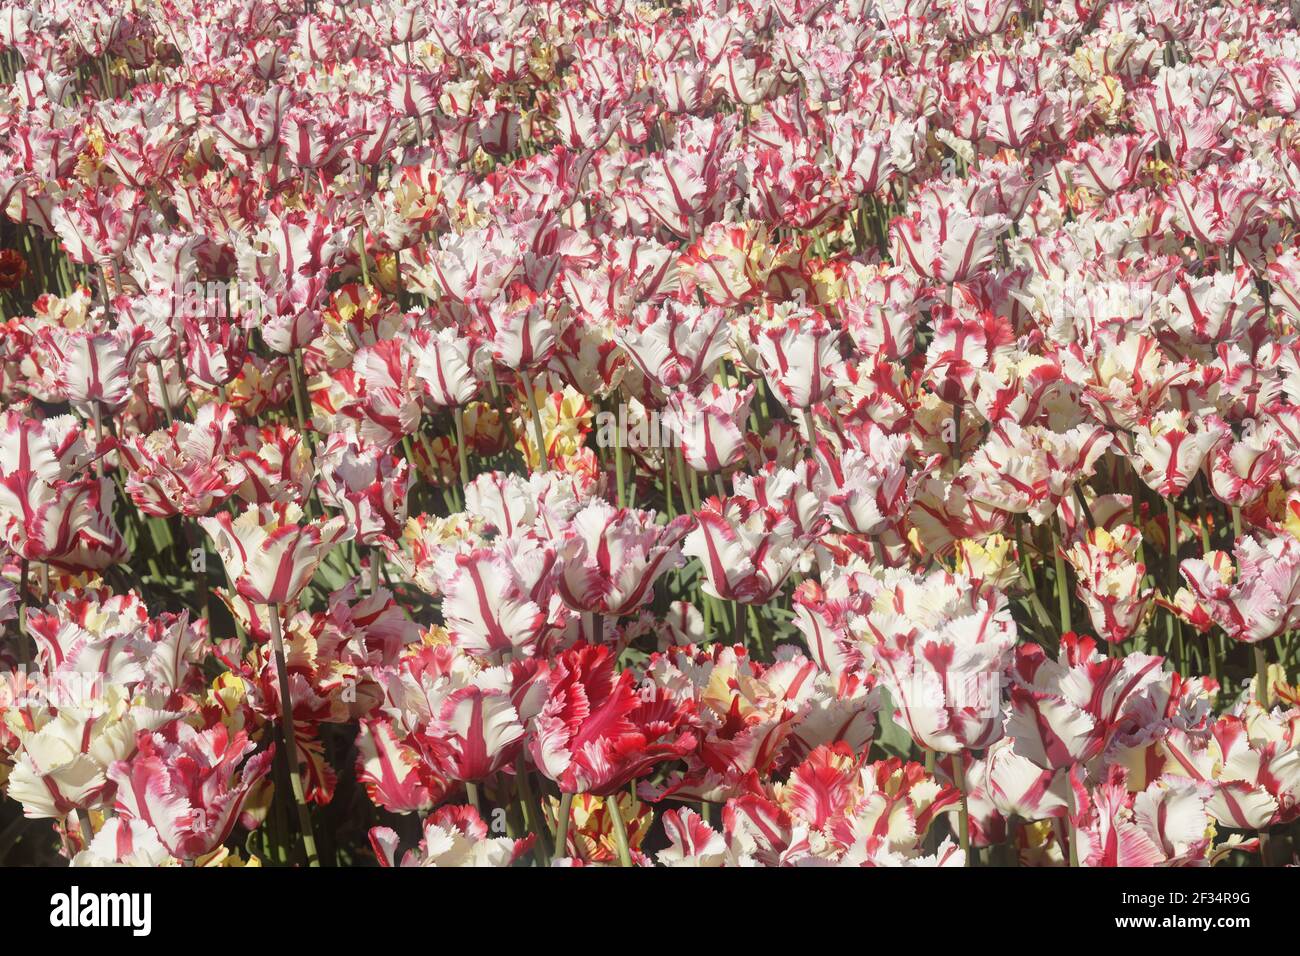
188, 785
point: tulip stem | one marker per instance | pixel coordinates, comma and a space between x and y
620, 830
668, 486
194, 536
1062, 588
930, 838
683, 486
296, 381
754, 629
1035, 603
83, 821
1175, 625
459, 415
1263, 693
289, 738
618, 469
1084, 508
449, 493
533, 819
24, 602
162, 391
562, 827
963, 815
539, 436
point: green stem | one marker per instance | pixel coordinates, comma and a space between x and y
620, 830
668, 485
532, 811
562, 827
1171, 517
162, 391
295, 375
459, 415
755, 631
24, 602
683, 485
539, 436
289, 738
618, 469
963, 815
361, 253
1263, 692
1062, 588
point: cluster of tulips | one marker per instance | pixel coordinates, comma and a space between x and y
678, 433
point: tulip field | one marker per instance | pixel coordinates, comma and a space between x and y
709, 433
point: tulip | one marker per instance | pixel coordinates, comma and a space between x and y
942, 646
269, 555
1222, 207
65, 751
1241, 470
189, 788
594, 733
48, 510
1067, 712
1030, 470
187, 468
609, 559
800, 360
676, 344
1257, 599
443, 368
494, 597
943, 242
1167, 451
866, 487
746, 715
453, 836
747, 550
1163, 825
1110, 579
368, 485
710, 425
